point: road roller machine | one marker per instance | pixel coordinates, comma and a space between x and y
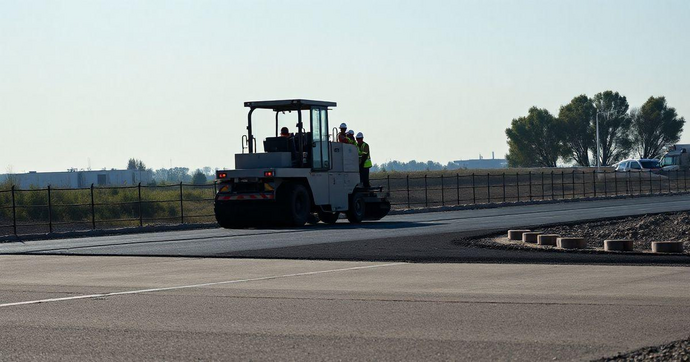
298, 178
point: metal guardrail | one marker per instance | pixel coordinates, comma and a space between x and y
49, 210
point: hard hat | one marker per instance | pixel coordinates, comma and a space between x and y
343, 125
360, 135
351, 132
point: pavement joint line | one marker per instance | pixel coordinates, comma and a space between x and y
200, 285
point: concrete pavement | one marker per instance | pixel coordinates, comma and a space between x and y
327, 310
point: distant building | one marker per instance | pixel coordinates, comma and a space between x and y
482, 163
79, 179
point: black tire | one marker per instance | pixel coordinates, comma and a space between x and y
329, 217
355, 212
295, 204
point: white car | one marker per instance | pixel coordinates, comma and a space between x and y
638, 165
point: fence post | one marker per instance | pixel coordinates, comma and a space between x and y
594, 181
563, 184
50, 213
426, 192
615, 182
443, 202
457, 185
584, 184
573, 184
141, 216
669, 181
488, 188
181, 205
474, 191
685, 180
517, 182
93, 211
651, 189
661, 185
504, 187
606, 187
215, 184
542, 184
639, 182
14, 213
552, 197
530, 185
388, 183
408, 192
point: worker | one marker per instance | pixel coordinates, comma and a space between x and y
364, 160
284, 132
342, 136
351, 137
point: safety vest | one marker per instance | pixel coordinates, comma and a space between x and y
360, 148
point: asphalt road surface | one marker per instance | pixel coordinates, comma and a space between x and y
239, 294
405, 237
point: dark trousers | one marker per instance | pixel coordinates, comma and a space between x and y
364, 176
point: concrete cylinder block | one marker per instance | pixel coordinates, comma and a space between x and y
667, 246
571, 243
547, 239
516, 235
530, 237
618, 245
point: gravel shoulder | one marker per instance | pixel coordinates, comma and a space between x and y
674, 351
643, 230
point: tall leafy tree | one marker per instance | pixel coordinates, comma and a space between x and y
535, 140
576, 118
615, 139
655, 126
134, 164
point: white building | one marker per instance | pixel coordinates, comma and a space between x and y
79, 179
482, 163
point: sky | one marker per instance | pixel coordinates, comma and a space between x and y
90, 84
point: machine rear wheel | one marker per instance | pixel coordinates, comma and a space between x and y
355, 213
329, 217
295, 204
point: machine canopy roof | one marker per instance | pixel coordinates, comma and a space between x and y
289, 104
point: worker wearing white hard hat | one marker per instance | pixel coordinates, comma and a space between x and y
342, 136
364, 160
351, 137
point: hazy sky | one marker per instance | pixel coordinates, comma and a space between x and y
165, 81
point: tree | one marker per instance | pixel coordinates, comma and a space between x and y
576, 118
535, 140
655, 126
615, 140
134, 164
199, 178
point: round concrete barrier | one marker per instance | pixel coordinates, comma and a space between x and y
530, 237
516, 234
667, 246
571, 243
547, 239
618, 245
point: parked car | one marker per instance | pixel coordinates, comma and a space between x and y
676, 158
638, 165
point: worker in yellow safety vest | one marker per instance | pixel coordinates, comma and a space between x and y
364, 160
351, 137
